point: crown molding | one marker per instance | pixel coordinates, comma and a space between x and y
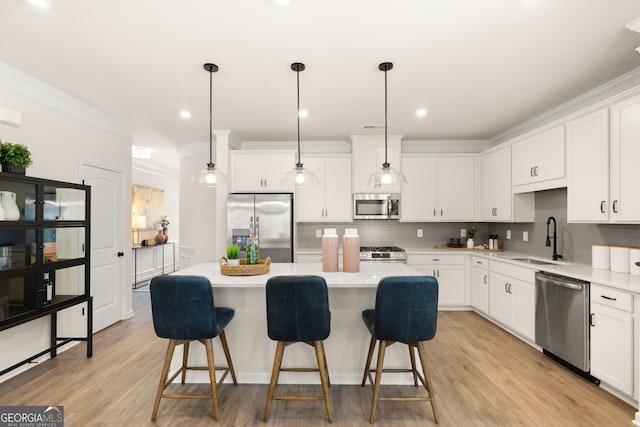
142, 166
23, 84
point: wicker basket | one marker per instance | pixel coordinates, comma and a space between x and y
243, 269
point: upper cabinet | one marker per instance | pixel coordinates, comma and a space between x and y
602, 165
331, 201
499, 203
368, 155
259, 172
539, 161
438, 188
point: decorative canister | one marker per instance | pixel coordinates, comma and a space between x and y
253, 255
351, 251
634, 260
620, 259
601, 257
330, 250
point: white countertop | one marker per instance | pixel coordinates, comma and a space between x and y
368, 277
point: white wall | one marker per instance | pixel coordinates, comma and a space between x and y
60, 132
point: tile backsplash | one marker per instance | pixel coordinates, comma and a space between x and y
574, 240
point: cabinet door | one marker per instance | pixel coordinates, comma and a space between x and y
523, 301
540, 157
450, 282
418, 202
338, 198
499, 299
368, 155
480, 289
310, 198
625, 152
525, 157
274, 166
455, 188
496, 185
612, 347
246, 173
588, 168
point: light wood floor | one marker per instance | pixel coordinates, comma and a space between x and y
481, 374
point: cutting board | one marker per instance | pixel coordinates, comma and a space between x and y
469, 249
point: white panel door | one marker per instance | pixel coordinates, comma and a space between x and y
107, 267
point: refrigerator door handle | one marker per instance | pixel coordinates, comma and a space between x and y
257, 229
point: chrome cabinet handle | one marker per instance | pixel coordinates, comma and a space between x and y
535, 171
615, 204
434, 211
602, 206
485, 280
591, 317
441, 211
531, 171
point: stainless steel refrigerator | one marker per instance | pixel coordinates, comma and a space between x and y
267, 217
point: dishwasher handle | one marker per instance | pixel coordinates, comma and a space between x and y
545, 280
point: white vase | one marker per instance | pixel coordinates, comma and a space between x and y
470, 243
8, 203
233, 261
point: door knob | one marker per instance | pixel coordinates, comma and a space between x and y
120, 254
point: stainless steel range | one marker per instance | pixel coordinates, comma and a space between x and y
382, 254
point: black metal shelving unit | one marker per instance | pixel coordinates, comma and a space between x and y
50, 240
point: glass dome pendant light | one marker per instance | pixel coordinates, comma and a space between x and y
386, 175
299, 175
210, 176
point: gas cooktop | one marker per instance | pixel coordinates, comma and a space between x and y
382, 253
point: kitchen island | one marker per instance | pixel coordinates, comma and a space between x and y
251, 349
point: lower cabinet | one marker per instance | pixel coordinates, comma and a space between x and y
450, 272
512, 299
612, 337
480, 284
151, 261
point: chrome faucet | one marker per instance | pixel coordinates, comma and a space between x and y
555, 239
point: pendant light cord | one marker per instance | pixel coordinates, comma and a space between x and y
211, 118
299, 164
386, 163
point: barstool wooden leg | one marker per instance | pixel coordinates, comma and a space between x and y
227, 354
326, 367
185, 358
427, 376
412, 356
324, 377
212, 377
376, 386
372, 347
163, 377
275, 373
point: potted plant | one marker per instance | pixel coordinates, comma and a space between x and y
15, 158
471, 233
233, 255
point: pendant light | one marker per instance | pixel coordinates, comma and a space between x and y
299, 175
386, 175
210, 176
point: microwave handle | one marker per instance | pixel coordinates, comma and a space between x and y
389, 206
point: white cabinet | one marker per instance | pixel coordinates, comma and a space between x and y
260, 171
480, 284
588, 168
331, 201
152, 261
368, 155
540, 160
625, 152
437, 189
450, 272
512, 298
498, 201
612, 346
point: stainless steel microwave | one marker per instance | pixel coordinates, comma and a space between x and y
376, 206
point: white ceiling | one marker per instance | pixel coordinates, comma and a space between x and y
479, 67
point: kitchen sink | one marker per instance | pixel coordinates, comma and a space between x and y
535, 261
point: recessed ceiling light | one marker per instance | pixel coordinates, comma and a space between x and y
185, 114
421, 112
281, 1
40, 3
303, 113
138, 152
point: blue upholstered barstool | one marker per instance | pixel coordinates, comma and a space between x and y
298, 311
183, 311
407, 312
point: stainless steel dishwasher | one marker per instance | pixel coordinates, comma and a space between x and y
562, 320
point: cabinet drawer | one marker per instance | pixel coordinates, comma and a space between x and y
435, 259
523, 273
479, 262
612, 297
